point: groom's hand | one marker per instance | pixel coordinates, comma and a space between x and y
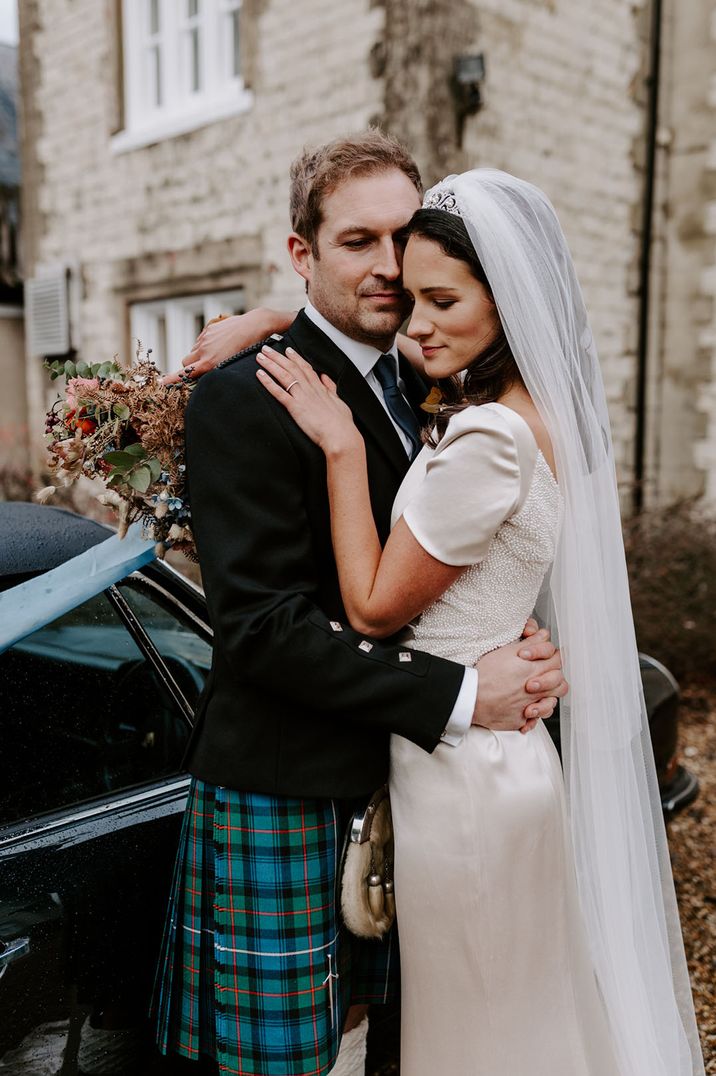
519, 683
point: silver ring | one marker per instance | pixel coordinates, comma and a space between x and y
291, 385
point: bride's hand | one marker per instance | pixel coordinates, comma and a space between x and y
311, 401
225, 336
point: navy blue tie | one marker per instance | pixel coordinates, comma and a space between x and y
386, 370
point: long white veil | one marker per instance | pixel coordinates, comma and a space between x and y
623, 871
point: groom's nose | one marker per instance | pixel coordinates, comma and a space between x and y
388, 260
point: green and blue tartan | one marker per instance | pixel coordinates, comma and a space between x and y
256, 969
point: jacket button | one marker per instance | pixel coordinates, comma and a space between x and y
336, 626
405, 655
365, 645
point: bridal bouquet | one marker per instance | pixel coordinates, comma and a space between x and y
126, 428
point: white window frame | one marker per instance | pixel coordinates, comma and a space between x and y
179, 314
182, 108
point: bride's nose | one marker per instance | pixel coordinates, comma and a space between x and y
418, 326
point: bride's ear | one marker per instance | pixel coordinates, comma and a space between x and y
301, 255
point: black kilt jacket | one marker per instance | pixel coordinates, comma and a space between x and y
296, 703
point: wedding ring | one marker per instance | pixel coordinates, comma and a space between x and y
291, 385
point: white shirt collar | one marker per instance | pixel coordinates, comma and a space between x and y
363, 356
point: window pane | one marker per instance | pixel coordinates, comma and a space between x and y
186, 654
195, 60
83, 713
154, 23
155, 75
160, 356
235, 17
192, 8
198, 323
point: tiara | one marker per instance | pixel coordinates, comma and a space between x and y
441, 197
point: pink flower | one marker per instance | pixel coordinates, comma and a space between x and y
76, 386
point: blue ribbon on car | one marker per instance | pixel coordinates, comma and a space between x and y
31, 605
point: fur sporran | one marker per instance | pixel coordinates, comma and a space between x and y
367, 896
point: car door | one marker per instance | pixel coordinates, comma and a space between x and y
95, 713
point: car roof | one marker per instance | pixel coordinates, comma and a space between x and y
35, 537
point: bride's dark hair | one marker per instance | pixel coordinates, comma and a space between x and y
494, 369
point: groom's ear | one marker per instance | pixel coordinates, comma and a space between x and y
301, 256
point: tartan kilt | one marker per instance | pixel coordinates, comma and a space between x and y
256, 969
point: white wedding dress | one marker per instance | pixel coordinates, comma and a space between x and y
496, 975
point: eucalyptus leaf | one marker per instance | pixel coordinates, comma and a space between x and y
140, 479
83, 369
155, 467
70, 369
115, 478
122, 460
136, 449
121, 411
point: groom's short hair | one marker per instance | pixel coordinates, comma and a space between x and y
316, 173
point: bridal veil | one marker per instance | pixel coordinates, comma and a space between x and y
622, 862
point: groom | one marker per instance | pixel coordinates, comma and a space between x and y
293, 726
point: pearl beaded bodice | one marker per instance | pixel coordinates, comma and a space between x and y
488, 605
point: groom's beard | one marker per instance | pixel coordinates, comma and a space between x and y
372, 314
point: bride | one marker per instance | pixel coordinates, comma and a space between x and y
538, 925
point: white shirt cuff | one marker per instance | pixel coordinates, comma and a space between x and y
462, 711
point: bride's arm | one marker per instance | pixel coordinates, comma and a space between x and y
382, 589
225, 336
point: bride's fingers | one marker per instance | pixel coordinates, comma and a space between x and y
294, 368
282, 372
305, 366
276, 390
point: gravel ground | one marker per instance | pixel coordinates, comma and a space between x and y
692, 839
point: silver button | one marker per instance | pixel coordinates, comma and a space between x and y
275, 336
365, 645
405, 655
336, 626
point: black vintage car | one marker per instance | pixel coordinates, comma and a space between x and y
95, 712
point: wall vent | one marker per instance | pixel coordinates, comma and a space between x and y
47, 313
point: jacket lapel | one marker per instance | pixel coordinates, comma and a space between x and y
370, 417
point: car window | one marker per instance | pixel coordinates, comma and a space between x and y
82, 713
186, 654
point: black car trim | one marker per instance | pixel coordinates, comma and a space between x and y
188, 613
137, 631
31, 829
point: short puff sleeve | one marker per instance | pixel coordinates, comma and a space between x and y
471, 486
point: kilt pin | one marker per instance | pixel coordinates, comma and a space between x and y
256, 968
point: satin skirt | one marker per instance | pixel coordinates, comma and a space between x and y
496, 974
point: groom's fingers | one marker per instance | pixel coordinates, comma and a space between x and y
537, 649
548, 683
538, 711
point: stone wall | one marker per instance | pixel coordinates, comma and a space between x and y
191, 213
705, 298
681, 412
561, 109
563, 106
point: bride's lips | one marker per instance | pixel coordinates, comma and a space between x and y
429, 351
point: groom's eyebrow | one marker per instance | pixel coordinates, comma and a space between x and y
355, 229
362, 230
